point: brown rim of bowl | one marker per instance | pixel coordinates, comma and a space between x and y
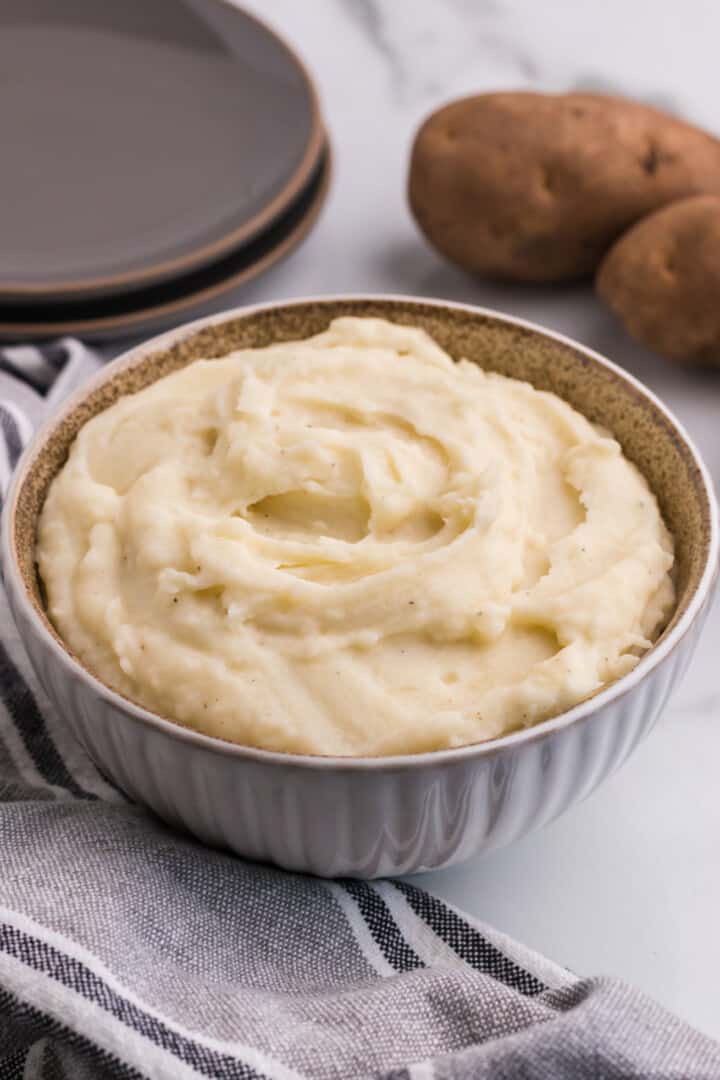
125, 323
207, 252
583, 711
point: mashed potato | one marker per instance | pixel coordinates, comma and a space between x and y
352, 545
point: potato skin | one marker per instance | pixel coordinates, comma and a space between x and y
662, 279
536, 187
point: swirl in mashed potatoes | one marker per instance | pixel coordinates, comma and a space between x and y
352, 545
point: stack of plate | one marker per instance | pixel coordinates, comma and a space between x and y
155, 155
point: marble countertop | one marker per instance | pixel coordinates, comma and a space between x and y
628, 883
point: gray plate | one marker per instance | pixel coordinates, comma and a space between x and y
154, 307
142, 139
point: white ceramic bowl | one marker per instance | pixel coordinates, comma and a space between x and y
368, 817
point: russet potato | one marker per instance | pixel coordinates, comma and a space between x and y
662, 279
537, 187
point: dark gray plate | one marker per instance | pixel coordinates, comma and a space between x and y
165, 303
142, 139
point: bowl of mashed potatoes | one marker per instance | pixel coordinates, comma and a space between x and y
360, 586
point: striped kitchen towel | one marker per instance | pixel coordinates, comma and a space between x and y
127, 950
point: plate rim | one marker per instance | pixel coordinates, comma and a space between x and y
94, 287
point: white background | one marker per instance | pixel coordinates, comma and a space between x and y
628, 883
